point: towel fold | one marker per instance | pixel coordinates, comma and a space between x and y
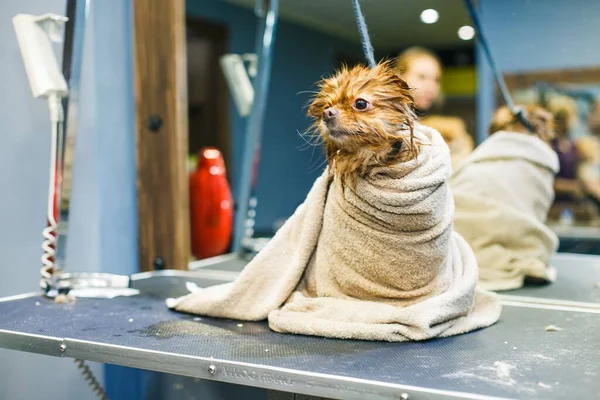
502, 194
375, 261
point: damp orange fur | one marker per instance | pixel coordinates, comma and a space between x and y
541, 119
365, 118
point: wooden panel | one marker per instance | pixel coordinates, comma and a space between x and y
527, 79
523, 80
161, 133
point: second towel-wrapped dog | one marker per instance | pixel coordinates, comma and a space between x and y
503, 192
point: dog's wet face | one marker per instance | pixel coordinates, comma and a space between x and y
363, 115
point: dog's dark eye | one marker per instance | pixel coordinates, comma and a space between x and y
361, 104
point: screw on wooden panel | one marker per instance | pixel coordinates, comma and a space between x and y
212, 369
159, 263
404, 396
155, 123
62, 348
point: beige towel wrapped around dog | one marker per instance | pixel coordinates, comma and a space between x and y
503, 193
377, 262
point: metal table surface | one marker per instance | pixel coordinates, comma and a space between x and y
578, 281
578, 239
515, 358
576, 232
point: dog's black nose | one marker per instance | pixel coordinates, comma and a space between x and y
330, 113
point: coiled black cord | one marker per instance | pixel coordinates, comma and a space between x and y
91, 380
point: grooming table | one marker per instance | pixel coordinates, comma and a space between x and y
577, 232
578, 283
578, 280
578, 239
516, 358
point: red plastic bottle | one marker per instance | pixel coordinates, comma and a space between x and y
57, 179
211, 211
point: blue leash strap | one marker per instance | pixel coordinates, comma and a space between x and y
517, 112
364, 34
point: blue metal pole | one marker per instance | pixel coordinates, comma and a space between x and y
255, 124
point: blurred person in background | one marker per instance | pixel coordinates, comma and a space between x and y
588, 148
571, 201
422, 70
594, 117
588, 171
564, 111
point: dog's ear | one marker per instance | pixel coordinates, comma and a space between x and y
388, 68
403, 86
401, 82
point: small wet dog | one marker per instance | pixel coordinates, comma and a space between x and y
365, 117
541, 120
